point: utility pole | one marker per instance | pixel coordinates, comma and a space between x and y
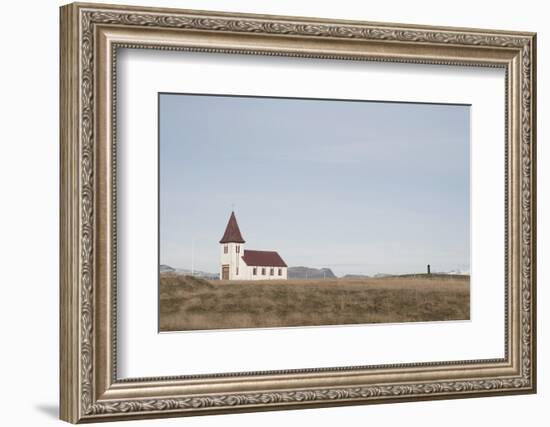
429, 269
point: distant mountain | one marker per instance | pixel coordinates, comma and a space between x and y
355, 276
382, 275
310, 273
163, 268
166, 269
301, 272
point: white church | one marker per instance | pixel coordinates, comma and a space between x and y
238, 263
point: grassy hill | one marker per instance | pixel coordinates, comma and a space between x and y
190, 303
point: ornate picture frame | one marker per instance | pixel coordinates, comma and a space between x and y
90, 37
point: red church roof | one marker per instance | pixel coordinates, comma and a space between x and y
232, 233
263, 259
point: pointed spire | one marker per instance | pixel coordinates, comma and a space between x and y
232, 233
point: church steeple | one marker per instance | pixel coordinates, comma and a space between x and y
232, 233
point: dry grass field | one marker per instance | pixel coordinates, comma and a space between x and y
190, 303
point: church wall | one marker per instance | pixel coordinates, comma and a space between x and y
233, 259
259, 276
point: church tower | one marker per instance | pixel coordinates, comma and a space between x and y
232, 250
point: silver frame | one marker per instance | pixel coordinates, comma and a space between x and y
90, 37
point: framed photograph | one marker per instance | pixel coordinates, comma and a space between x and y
266, 212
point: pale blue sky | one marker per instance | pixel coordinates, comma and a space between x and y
359, 187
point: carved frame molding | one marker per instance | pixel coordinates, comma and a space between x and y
90, 36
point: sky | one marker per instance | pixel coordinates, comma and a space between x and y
359, 187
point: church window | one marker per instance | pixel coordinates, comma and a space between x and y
271, 271
224, 249
254, 271
263, 271
237, 271
238, 248
280, 271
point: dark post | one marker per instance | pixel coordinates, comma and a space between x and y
429, 270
